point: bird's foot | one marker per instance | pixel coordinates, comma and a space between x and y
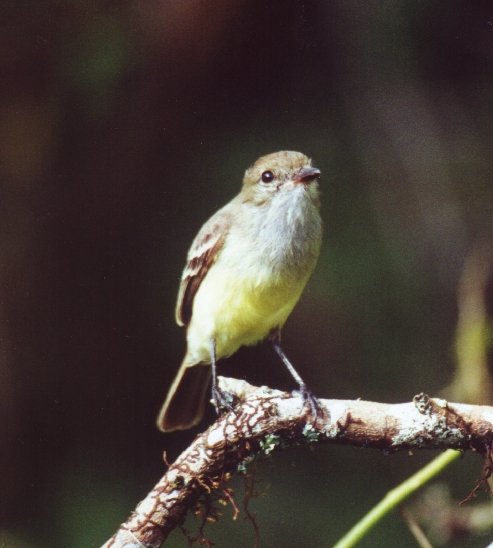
311, 404
222, 400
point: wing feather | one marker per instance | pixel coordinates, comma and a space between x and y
201, 256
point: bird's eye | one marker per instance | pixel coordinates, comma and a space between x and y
267, 177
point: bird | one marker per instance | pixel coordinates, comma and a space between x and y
245, 272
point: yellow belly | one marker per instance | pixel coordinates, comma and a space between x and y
238, 310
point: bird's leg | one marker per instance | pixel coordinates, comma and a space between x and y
221, 399
310, 401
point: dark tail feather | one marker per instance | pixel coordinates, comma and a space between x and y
184, 405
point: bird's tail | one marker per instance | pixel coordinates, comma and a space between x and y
184, 404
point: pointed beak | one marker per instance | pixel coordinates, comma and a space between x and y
306, 175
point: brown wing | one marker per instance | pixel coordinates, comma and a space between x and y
201, 257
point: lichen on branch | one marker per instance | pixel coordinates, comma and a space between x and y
265, 420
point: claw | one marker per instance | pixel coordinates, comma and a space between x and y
222, 400
311, 403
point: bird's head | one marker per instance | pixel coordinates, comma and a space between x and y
280, 173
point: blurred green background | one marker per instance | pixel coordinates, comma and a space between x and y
123, 126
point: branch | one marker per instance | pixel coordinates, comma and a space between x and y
265, 419
395, 497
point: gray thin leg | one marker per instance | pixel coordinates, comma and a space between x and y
221, 399
308, 397
289, 366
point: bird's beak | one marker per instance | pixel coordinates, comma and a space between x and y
306, 175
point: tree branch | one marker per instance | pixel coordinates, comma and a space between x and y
265, 419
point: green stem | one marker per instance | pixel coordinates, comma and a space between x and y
396, 496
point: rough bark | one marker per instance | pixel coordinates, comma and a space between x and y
265, 419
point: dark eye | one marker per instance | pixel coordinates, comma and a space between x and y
267, 177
